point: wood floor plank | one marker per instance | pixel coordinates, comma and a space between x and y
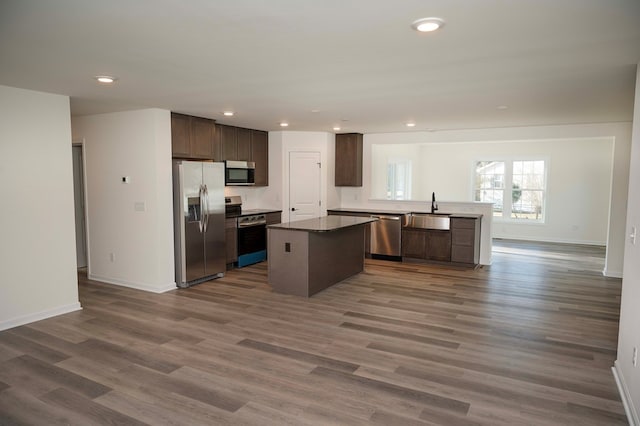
412, 394
200, 392
300, 355
90, 412
19, 407
403, 336
54, 374
12, 339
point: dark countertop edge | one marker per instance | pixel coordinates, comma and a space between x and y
285, 227
365, 211
388, 212
467, 215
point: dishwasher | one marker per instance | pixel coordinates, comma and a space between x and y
386, 237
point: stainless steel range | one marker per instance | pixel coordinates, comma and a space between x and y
252, 233
252, 239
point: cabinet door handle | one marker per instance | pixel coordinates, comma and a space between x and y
293, 209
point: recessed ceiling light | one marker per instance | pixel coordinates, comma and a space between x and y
283, 124
426, 25
228, 113
337, 128
315, 110
105, 79
411, 124
502, 107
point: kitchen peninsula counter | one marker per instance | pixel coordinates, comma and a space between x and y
401, 212
307, 256
483, 212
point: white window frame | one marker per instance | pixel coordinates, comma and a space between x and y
507, 199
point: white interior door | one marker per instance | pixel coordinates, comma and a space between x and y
78, 196
304, 185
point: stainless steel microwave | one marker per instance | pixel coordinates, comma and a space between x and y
239, 173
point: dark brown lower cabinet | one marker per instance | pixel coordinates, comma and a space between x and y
414, 243
439, 245
426, 244
231, 234
465, 240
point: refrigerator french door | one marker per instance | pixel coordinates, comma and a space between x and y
199, 220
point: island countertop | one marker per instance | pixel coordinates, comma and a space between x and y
323, 224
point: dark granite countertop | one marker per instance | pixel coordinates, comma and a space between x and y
368, 211
466, 215
396, 212
323, 224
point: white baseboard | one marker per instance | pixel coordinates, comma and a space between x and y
137, 286
611, 274
550, 240
627, 402
37, 316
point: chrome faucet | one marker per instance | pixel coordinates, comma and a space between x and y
434, 205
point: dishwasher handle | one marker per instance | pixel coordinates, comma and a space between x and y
382, 217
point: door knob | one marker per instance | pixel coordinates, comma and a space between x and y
293, 209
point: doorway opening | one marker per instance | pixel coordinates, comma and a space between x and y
79, 204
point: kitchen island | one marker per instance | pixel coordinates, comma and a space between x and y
307, 256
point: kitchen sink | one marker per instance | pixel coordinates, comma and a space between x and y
436, 221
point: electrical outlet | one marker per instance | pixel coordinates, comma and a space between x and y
634, 359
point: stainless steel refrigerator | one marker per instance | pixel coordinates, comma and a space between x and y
198, 203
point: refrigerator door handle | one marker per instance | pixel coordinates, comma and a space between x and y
206, 208
201, 218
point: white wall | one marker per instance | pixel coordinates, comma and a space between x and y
277, 194
629, 333
578, 186
37, 249
619, 133
136, 144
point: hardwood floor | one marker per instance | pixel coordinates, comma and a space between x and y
528, 340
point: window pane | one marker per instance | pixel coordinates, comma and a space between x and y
529, 206
538, 167
489, 184
399, 180
517, 167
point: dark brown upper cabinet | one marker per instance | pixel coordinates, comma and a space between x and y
236, 143
228, 141
348, 159
260, 155
240, 144
192, 137
244, 144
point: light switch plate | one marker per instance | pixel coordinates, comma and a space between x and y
632, 236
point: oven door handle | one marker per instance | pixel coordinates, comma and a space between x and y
251, 225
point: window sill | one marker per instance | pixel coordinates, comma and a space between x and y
517, 221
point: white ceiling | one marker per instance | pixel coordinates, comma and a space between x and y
549, 61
